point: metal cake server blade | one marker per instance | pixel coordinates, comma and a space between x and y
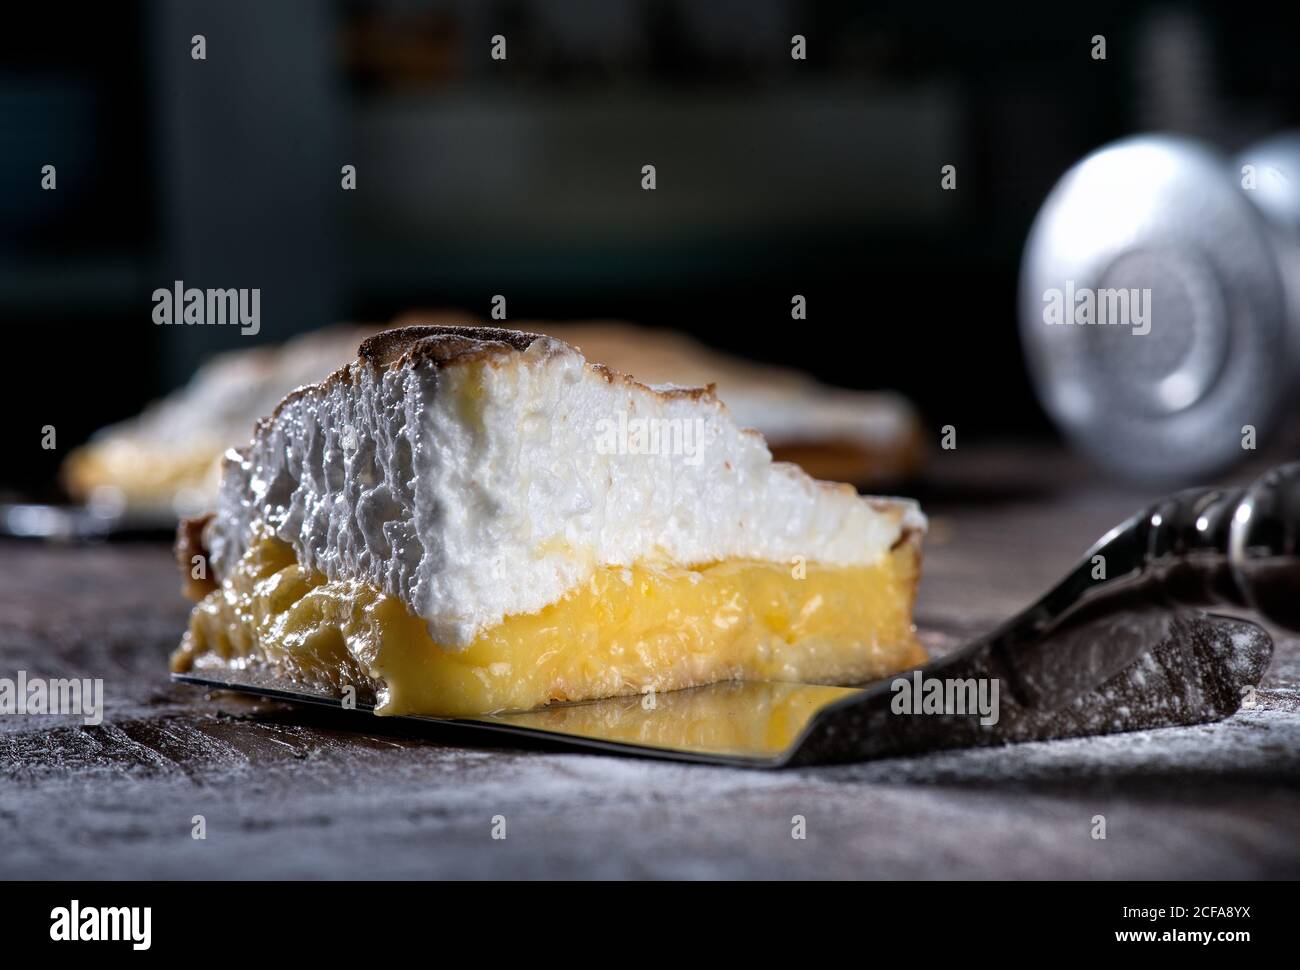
750, 723
1110, 649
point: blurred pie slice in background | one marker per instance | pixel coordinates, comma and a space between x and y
166, 460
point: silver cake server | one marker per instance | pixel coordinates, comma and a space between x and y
1120, 648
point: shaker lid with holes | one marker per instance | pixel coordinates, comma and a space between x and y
1152, 311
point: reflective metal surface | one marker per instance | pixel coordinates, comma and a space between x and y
754, 724
1164, 222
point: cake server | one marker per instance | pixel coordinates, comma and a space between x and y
1118, 645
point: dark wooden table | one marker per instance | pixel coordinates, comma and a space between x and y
291, 792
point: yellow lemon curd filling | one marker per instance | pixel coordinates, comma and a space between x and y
628, 630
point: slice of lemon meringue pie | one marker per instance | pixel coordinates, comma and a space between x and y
466, 520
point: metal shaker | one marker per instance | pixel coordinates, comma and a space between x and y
1158, 309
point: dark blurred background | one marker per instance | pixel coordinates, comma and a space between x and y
475, 177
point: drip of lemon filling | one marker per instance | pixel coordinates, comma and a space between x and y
627, 630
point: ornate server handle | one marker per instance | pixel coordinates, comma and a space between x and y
1237, 546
